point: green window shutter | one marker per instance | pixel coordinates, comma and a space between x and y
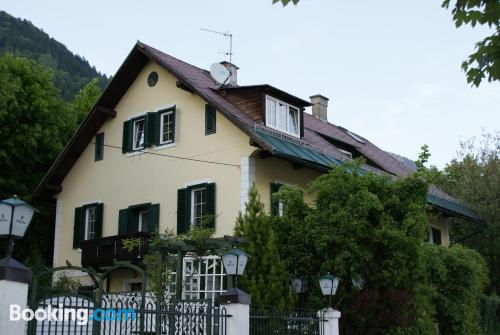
127, 136
78, 228
98, 220
182, 211
158, 128
211, 205
173, 124
99, 146
150, 130
210, 120
123, 224
154, 218
133, 219
275, 187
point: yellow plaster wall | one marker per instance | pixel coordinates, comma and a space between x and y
121, 180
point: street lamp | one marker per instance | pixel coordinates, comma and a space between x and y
234, 262
329, 284
15, 217
300, 286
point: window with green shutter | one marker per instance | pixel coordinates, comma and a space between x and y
196, 205
166, 126
139, 218
87, 223
210, 120
150, 130
276, 205
99, 147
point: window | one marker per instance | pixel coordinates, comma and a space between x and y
87, 224
167, 126
138, 139
90, 223
99, 147
139, 218
135, 287
436, 236
277, 207
282, 116
210, 120
196, 206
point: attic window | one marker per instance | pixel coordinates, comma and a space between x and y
356, 137
152, 79
282, 116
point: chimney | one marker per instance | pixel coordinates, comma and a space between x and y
319, 106
233, 69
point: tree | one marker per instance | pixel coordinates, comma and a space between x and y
474, 178
374, 227
265, 279
485, 62
34, 129
84, 101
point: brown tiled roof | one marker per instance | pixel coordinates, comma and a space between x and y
316, 131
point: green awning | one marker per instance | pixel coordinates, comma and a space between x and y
453, 208
287, 149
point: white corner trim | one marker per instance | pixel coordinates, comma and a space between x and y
247, 178
197, 182
57, 231
89, 202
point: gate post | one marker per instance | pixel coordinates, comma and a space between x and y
14, 282
330, 325
237, 305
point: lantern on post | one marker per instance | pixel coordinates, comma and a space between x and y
15, 218
329, 284
235, 262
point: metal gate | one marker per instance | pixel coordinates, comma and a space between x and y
272, 321
69, 311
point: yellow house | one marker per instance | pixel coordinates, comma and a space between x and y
165, 146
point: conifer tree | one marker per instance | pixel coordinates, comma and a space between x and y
265, 277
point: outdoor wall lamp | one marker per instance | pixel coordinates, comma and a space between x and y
235, 262
329, 284
15, 217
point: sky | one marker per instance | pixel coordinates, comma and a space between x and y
391, 69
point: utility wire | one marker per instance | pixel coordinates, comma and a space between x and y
176, 157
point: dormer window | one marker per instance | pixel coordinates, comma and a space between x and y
282, 116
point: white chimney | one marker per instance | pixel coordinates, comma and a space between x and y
319, 106
233, 69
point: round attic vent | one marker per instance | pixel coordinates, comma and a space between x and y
152, 79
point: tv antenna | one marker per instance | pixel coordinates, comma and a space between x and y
227, 34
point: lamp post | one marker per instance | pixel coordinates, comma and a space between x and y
15, 217
329, 284
300, 286
235, 262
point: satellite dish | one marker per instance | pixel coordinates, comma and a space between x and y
219, 73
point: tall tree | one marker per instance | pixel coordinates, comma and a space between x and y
265, 279
34, 130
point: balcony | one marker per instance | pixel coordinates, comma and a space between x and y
103, 251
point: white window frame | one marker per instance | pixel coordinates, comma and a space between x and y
161, 142
286, 120
134, 134
88, 224
140, 223
204, 201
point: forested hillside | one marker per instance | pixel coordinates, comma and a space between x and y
22, 38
